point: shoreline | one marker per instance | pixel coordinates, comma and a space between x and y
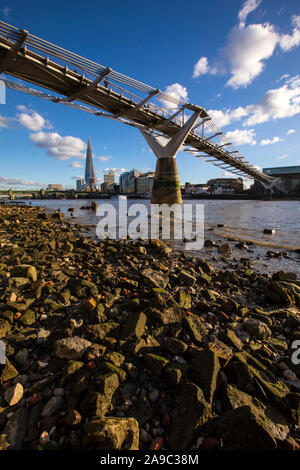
151, 347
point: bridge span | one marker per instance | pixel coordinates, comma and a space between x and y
85, 85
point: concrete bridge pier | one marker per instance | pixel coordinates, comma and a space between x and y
166, 186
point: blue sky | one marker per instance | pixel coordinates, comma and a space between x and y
238, 59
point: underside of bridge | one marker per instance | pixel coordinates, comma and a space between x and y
85, 85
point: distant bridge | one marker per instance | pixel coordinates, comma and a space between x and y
85, 85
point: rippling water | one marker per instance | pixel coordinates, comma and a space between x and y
242, 219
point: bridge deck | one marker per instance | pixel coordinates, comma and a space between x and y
20, 61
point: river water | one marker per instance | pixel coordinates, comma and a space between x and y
242, 220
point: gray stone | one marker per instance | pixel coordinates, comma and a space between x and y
52, 406
15, 429
71, 348
111, 434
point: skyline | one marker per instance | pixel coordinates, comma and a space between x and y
248, 79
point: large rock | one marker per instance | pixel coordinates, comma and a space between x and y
190, 412
24, 270
4, 327
111, 434
164, 316
205, 368
257, 328
15, 429
284, 276
244, 429
71, 348
195, 328
187, 278
274, 420
135, 325
154, 278
8, 372
230, 338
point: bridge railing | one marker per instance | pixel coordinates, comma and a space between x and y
157, 102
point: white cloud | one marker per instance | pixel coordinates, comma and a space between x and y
176, 90
21, 107
33, 121
247, 48
288, 41
103, 159
61, 148
4, 121
76, 165
117, 171
282, 156
278, 103
241, 136
224, 118
275, 140
248, 7
290, 131
16, 181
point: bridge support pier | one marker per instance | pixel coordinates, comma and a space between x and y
267, 194
166, 186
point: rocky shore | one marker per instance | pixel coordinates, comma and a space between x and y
122, 345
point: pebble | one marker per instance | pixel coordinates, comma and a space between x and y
52, 406
153, 396
59, 392
13, 394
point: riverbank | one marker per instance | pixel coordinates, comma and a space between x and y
122, 345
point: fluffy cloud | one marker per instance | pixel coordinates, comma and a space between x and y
201, 67
15, 181
248, 47
248, 7
246, 50
275, 140
103, 159
32, 121
176, 90
277, 103
224, 118
290, 131
241, 136
61, 148
76, 165
117, 171
288, 41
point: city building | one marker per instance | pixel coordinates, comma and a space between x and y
109, 177
128, 182
144, 184
55, 187
90, 176
225, 185
79, 184
104, 187
289, 177
195, 189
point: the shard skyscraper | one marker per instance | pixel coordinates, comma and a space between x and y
90, 177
